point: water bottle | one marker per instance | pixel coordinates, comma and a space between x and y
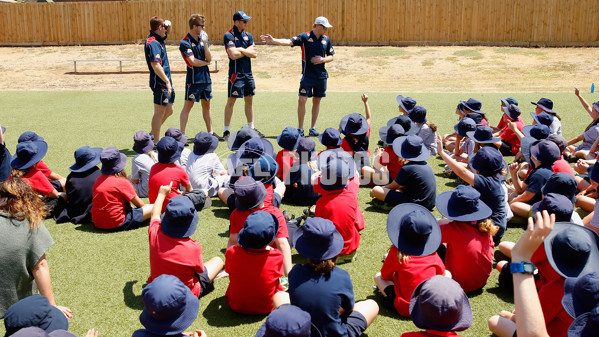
592, 88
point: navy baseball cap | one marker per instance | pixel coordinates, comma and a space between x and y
240, 15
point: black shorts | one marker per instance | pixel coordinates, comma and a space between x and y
355, 323
205, 285
311, 87
197, 92
389, 300
241, 86
134, 219
396, 198
161, 96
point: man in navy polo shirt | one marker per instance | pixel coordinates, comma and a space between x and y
160, 74
240, 48
195, 50
316, 51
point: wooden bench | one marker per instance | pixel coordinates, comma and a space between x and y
120, 61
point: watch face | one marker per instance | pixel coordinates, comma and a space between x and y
522, 267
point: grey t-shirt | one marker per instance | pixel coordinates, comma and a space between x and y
20, 250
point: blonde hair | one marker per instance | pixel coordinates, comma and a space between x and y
196, 20
487, 226
152, 156
402, 257
20, 201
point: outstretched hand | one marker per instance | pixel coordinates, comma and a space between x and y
535, 233
576, 91
68, 313
364, 98
266, 38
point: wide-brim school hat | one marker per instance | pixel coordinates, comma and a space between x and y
330, 138
34, 331
318, 239
259, 230
112, 160
34, 310
289, 138
525, 144
413, 229
353, 124
473, 105
581, 294
572, 250
439, 303
265, 169
337, 168
30, 136
169, 306
418, 114
389, 133
28, 153
585, 325
546, 104
561, 183
249, 193
288, 320
142, 142
512, 111
411, 148
204, 142
237, 138
464, 126
483, 135
554, 203
176, 133
487, 160
406, 103
306, 149
405, 122
462, 204
537, 131
477, 118
545, 151
85, 158
543, 118
169, 150
249, 152
509, 100
180, 219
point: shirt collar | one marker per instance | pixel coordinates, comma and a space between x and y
236, 30
192, 38
158, 37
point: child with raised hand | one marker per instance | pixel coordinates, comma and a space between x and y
467, 231
423, 128
253, 266
113, 195
172, 251
412, 258
142, 163
440, 306
356, 129
204, 168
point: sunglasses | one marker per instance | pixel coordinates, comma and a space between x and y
245, 21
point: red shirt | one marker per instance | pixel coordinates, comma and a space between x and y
253, 278
469, 255
163, 174
345, 145
561, 165
41, 166
237, 220
270, 196
429, 333
546, 272
353, 186
341, 207
38, 181
111, 196
180, 257
510, 136
285, 159
407, 276
391, 160
557, 319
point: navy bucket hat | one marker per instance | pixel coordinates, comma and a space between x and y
28, 154
180, 219
249, 193
411, 148
509, 100
487, 160
406, 103
142, 142
306, 149
418, 114
537, 131
204, 142
169, 150
556, 204
572, 250
176, 133
354, 124
464, 126
289, 138
561, 183
30, 136
473, 105
318, 239
337, 167
483, 135
412, 228
288, 320
462, 204
85, 158
330, 138
112, 160
404, 121
34, 310
265, 169
546, 104
581, 294
545, 152
237, 138
389, 133
543, 118
259, 230
512, 111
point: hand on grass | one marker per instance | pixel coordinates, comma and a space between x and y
68, 313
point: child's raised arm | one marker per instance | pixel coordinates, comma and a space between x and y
367, 109
162, 193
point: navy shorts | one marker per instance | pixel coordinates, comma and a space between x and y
396, 198
313, 87
355, 323
205, 285
240, 87
389, 300
197, 92
161, 96
133, 220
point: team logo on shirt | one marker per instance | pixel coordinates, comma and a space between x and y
303, 91
245, 38
193, 44
294, 38
231, 42
165, 100
324, 42
310, 40
192, 96
202, 44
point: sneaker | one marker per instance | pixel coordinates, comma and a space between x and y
301, 131
313, 132
220, 139
225, 136
260, 134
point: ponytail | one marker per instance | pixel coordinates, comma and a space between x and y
487, 226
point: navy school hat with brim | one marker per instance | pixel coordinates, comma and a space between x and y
593, 171
112, 160
462, 204
509, 100
288, 320
289, 138
413, 229
439, 303
318, 239
483, 135
546, 104
595, 106
169, 150
237, 138
264, 169
142, 142
180, 219
561, 183
177, 134
204, 142
560, 141
464, 126
477, 118
411, 148
418, 114
34, 331
404, 121
556, 204
169, 306
487, 160
30, 136
389, 133
406, 103
306, 150
572, 250
249, 193
28, 154
240, 15
546, 152
473, 105
542, 118
330, 138
525, 144
85, 158
581, 294
259, 230
512, 111
34, 310
337, 168
537, 131
353, 124
585, 325
249, 152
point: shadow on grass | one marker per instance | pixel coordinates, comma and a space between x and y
218, 313
384, 310
221, 213
502, 294
131, 300
89, 228
128, 152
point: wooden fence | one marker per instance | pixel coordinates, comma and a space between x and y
358, 22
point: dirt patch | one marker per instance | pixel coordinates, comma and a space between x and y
407, 69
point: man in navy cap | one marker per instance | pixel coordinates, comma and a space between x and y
240, 48
316, 51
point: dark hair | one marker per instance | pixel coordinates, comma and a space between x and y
156, 22
432, 126
593, 123
322, 266
196, 20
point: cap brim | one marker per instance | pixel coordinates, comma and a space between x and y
442, 204
394, 231
557, 262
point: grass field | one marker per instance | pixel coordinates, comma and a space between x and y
100, 276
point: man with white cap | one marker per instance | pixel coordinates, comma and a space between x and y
317, 50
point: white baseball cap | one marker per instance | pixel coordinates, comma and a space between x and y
321, 20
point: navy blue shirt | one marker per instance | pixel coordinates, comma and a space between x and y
322, 296
313, 46
190, 46
535, 181
5, 158
79, 187
419, 183
303, 194
237, 39
156, 52
493, 195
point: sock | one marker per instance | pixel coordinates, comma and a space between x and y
226, 128
251, 125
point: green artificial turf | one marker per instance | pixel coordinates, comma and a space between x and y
100, 276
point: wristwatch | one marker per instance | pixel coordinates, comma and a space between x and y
523, 267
